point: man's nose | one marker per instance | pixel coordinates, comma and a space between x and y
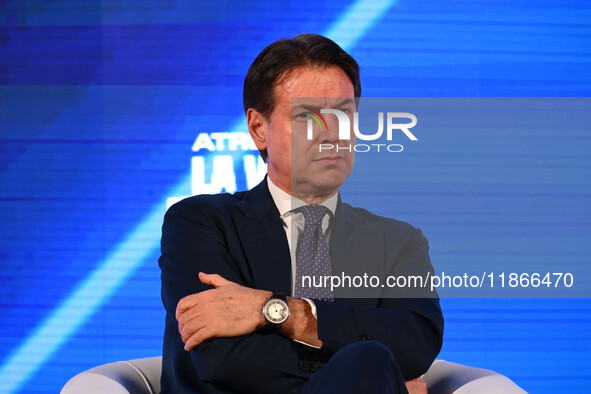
332, 132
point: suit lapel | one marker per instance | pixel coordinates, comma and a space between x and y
264, 241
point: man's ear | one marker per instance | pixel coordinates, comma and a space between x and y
257, 127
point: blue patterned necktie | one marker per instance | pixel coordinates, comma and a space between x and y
312, 256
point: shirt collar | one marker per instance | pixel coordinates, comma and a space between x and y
285, 202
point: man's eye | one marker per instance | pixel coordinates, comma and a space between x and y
303, 115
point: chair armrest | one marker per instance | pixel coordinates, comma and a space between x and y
445, 377
141, 376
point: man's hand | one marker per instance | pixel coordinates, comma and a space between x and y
416, 386
228, 310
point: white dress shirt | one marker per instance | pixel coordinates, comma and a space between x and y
293, 224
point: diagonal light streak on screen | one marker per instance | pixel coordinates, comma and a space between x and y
104, 280
356, 20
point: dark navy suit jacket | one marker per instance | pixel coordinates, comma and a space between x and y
241, 237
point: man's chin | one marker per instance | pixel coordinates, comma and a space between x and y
325, 184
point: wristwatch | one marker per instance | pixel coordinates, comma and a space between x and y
276, 311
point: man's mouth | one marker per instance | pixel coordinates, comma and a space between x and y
331, 158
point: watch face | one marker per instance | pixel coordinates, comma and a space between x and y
276, 311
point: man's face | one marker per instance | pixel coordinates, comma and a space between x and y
296, 163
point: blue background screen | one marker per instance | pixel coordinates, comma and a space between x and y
101, 103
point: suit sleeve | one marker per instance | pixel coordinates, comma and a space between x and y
412, 328
197, 240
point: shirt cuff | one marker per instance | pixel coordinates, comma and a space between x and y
313, 307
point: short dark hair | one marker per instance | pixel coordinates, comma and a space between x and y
277, 60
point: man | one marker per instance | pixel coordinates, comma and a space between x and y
228, 259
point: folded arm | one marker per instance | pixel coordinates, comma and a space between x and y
231, 310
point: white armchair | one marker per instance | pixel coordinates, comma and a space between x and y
142, 376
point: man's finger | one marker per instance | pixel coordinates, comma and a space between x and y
416, 386
191, 328
187, 316
185, 303
214, 280
197, 338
